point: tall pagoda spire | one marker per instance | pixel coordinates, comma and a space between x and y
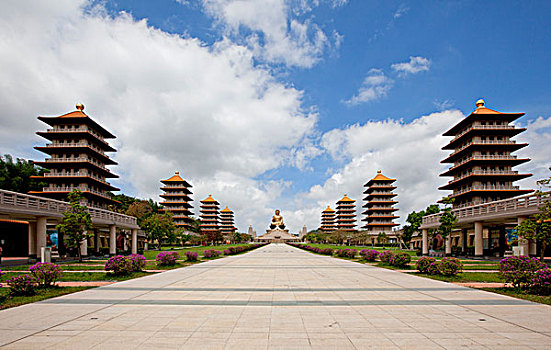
483, 157
210, 215
177, 200
346, 214
379, 204
77, 160
226, 221
328, 220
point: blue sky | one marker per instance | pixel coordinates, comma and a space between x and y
276, 103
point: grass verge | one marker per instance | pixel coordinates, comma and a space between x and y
6, 301
520, 294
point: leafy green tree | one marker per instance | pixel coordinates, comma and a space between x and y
448, 219
415, 219
236, 237
124, 202
139, 209
76, 222
16, 176
157, 227
538, 227
214, 236
382, 238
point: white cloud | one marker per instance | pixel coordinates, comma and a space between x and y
415, 65
375, 86
272, 30
402, 10
410, 152
174, 103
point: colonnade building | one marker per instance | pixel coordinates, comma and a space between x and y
487, 204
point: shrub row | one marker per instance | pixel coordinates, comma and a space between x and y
123, 265
346, 253
211, 253
527, 273
447, 266
241, 248
42, 275
324, 251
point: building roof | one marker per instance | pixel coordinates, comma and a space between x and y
481, 113
328, 210
77, 116
346, 199
227, 210
379, 177
209, 199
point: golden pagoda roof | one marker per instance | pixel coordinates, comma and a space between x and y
175, 177
346, 199
381, 177
328, 210
209, 199
227, 210
480, 109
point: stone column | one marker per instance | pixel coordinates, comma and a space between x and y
84, 246
112, 240
478, 241
449, 245
523, 243
464, 240
40, 233
96, 241
134, 241
425, 241
32, 240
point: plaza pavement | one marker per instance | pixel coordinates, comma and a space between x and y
278, 297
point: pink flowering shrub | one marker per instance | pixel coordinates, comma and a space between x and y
138, 261
119, 265
423, 263
227, 252
326, 251
210, 253
385, 256
432, 269
22, 285
541, 282
46, 273
192, 256
369, 254
519, 270
449, 266
399, 259
167, 258
346, 253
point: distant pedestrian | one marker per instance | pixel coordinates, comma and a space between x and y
0, 254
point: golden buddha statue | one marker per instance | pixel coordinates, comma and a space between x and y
277, 221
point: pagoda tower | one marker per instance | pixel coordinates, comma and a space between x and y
226, 221
209, 215
346, 214
482, 157
328, 220
77, 160
177, 200
379, 204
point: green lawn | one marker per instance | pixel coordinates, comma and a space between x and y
521, 295
85, 276
152, 254
394, 249
464, 277
7, 301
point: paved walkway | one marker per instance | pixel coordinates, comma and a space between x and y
278, 297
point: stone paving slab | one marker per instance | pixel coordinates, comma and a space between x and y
278, 297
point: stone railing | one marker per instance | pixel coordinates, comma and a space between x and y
40, 206
503, 206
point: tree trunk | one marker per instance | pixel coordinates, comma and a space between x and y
542, 252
